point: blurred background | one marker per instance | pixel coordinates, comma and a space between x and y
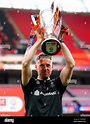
15, 26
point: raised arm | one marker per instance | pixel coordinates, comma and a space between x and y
67, 71
26, 72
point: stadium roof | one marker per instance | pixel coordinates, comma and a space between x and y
65, 5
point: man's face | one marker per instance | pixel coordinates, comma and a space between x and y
44, 68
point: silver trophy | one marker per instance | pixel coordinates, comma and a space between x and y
49, 21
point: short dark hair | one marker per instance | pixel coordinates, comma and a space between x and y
43, 55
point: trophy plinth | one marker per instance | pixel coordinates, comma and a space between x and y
51, 46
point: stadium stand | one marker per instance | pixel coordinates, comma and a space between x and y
18, 22
78, 24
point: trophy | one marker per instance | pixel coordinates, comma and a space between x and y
49, 22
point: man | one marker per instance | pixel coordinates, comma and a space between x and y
43, 96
